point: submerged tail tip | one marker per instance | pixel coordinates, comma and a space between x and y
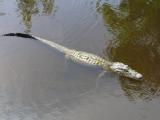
19, 35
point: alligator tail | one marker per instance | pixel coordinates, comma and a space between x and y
50, 43
19, 35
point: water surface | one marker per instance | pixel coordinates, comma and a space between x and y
38, 83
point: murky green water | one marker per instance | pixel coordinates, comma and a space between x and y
37, 83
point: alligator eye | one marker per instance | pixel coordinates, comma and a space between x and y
98, 63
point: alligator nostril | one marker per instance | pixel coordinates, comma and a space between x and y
139, 76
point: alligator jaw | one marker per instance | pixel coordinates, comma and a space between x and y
125, 70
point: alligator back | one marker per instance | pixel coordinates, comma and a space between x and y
87, 58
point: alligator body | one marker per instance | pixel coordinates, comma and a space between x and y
86, 58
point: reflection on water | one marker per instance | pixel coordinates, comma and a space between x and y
48, 6
135, 27
28, 8
1, 13
36, 82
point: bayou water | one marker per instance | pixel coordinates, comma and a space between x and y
38, 83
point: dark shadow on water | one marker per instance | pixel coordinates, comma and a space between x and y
135, 27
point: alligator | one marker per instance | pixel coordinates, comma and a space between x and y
86, 58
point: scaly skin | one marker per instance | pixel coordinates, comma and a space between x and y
93, 60
86, 58
78, 56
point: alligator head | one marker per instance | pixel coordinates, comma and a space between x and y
125, 70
